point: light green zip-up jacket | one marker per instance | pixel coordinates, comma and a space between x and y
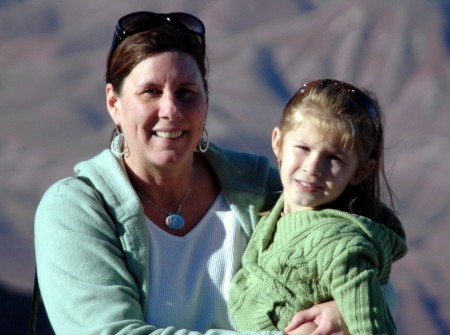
92, 246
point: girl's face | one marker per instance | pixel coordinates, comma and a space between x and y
314, 167
161, 110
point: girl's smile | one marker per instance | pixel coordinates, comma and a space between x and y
309, 186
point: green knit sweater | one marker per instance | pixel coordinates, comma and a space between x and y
295, 261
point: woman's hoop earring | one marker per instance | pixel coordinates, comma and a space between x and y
118, 147
203, 145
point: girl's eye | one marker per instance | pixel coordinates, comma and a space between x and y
338, 159
334, 157
302, 148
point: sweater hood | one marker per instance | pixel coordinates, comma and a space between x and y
390, 246
106, 173
243, 172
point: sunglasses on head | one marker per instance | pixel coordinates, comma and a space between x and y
346, 89
340, 85
143, 21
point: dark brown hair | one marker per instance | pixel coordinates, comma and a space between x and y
140, 46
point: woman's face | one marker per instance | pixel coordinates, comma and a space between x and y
315, 169
161, 110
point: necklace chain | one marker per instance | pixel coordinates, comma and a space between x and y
173, 220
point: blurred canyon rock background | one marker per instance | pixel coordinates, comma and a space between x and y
52, 111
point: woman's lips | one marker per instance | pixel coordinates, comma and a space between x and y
168, 134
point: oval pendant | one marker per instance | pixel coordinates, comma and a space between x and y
174, 221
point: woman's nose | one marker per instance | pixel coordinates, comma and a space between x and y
168, 107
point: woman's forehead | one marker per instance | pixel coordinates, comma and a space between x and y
167, 65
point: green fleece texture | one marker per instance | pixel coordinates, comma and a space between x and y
92, 246
300, 259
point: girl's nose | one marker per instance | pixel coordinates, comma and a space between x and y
313, 166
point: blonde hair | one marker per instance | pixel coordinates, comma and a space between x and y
355, 117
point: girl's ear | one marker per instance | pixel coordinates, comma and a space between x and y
276, 142
112, 103
363, 172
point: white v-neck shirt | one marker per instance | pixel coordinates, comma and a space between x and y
190, 276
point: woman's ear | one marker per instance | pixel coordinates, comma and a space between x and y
276, 142
363, 172
112, 103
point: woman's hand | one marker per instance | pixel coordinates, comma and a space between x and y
326, 316
307, 328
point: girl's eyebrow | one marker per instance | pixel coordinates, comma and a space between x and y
342, 151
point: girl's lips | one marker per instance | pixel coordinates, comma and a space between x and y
309, 186
168, 134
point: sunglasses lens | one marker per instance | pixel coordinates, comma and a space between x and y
189, 22
137, 22
142, 21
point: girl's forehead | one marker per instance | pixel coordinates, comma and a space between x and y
311, 130
318, 125
314, 129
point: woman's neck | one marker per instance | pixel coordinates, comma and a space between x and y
164, 186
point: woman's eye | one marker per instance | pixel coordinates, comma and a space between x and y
186, 94
152, 92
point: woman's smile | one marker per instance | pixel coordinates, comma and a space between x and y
168, 134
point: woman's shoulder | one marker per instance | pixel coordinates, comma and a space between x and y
240, 170
68, 187
82, 181
86, 188
234, 157
66, 198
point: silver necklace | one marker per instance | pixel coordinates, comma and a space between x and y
174, 220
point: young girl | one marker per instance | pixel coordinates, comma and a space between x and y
329, 236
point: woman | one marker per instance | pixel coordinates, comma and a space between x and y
148, 235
